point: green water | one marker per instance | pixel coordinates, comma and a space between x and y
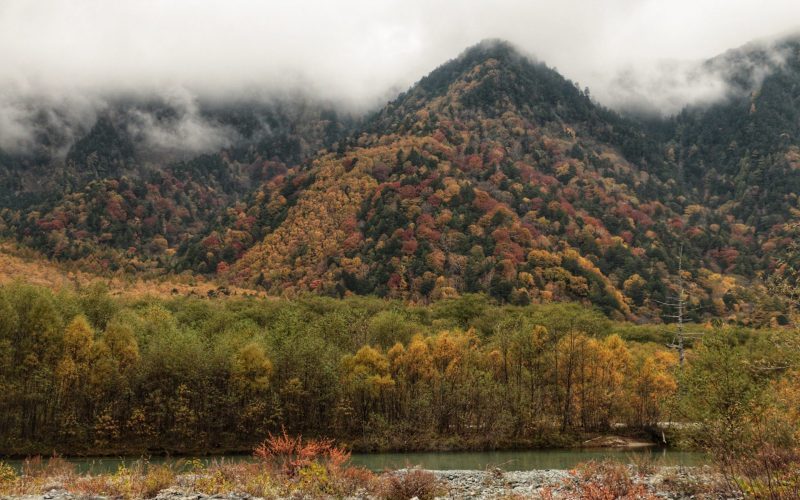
518, 460
506, 460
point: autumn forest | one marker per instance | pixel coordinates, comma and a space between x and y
491, 260
493, 175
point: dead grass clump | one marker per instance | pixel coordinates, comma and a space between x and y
314, 467
410, 483
645, 463
768, 472
687, 483
8, 478
142, 480
89, 485
606, 480
287, 454
53, 467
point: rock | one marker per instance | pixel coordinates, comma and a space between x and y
616, 442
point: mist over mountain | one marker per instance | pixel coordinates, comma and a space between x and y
65, 62
286, 232
493, 173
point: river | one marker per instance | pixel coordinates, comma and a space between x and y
507, 460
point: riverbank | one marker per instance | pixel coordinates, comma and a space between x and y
519, 460
398, 444
593, 479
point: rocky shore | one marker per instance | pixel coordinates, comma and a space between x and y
470, 484
665, 482
662, 482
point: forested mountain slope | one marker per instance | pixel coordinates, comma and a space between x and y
492, 174
496, 174
740, 159
124, 197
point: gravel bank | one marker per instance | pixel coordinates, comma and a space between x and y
665, 482
470, 484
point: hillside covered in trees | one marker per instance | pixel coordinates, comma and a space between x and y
82, 372
493, 174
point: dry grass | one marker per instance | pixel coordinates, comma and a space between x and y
606, 480
37, 476
8, 478
681, 483
317, 478
313, 467
18, 263
410, 483
290, 454
141, 480
645, 463
768, 472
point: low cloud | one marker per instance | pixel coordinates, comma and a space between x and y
29, 122
182, 130
642, 54
666, 87
16, 128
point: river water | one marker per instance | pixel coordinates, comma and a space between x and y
481, 460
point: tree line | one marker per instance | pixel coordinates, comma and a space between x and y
86, 372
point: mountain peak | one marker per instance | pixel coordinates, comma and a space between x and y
493, 174
502, 52
492, 48
492, 77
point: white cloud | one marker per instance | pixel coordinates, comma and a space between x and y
359, 52
184, 132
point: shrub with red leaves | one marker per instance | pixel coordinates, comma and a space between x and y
287, 454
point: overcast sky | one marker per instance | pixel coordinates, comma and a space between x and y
360, 52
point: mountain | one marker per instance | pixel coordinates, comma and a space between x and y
139, 183
740, 158
492, 174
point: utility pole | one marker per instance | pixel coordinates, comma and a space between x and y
679, 303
